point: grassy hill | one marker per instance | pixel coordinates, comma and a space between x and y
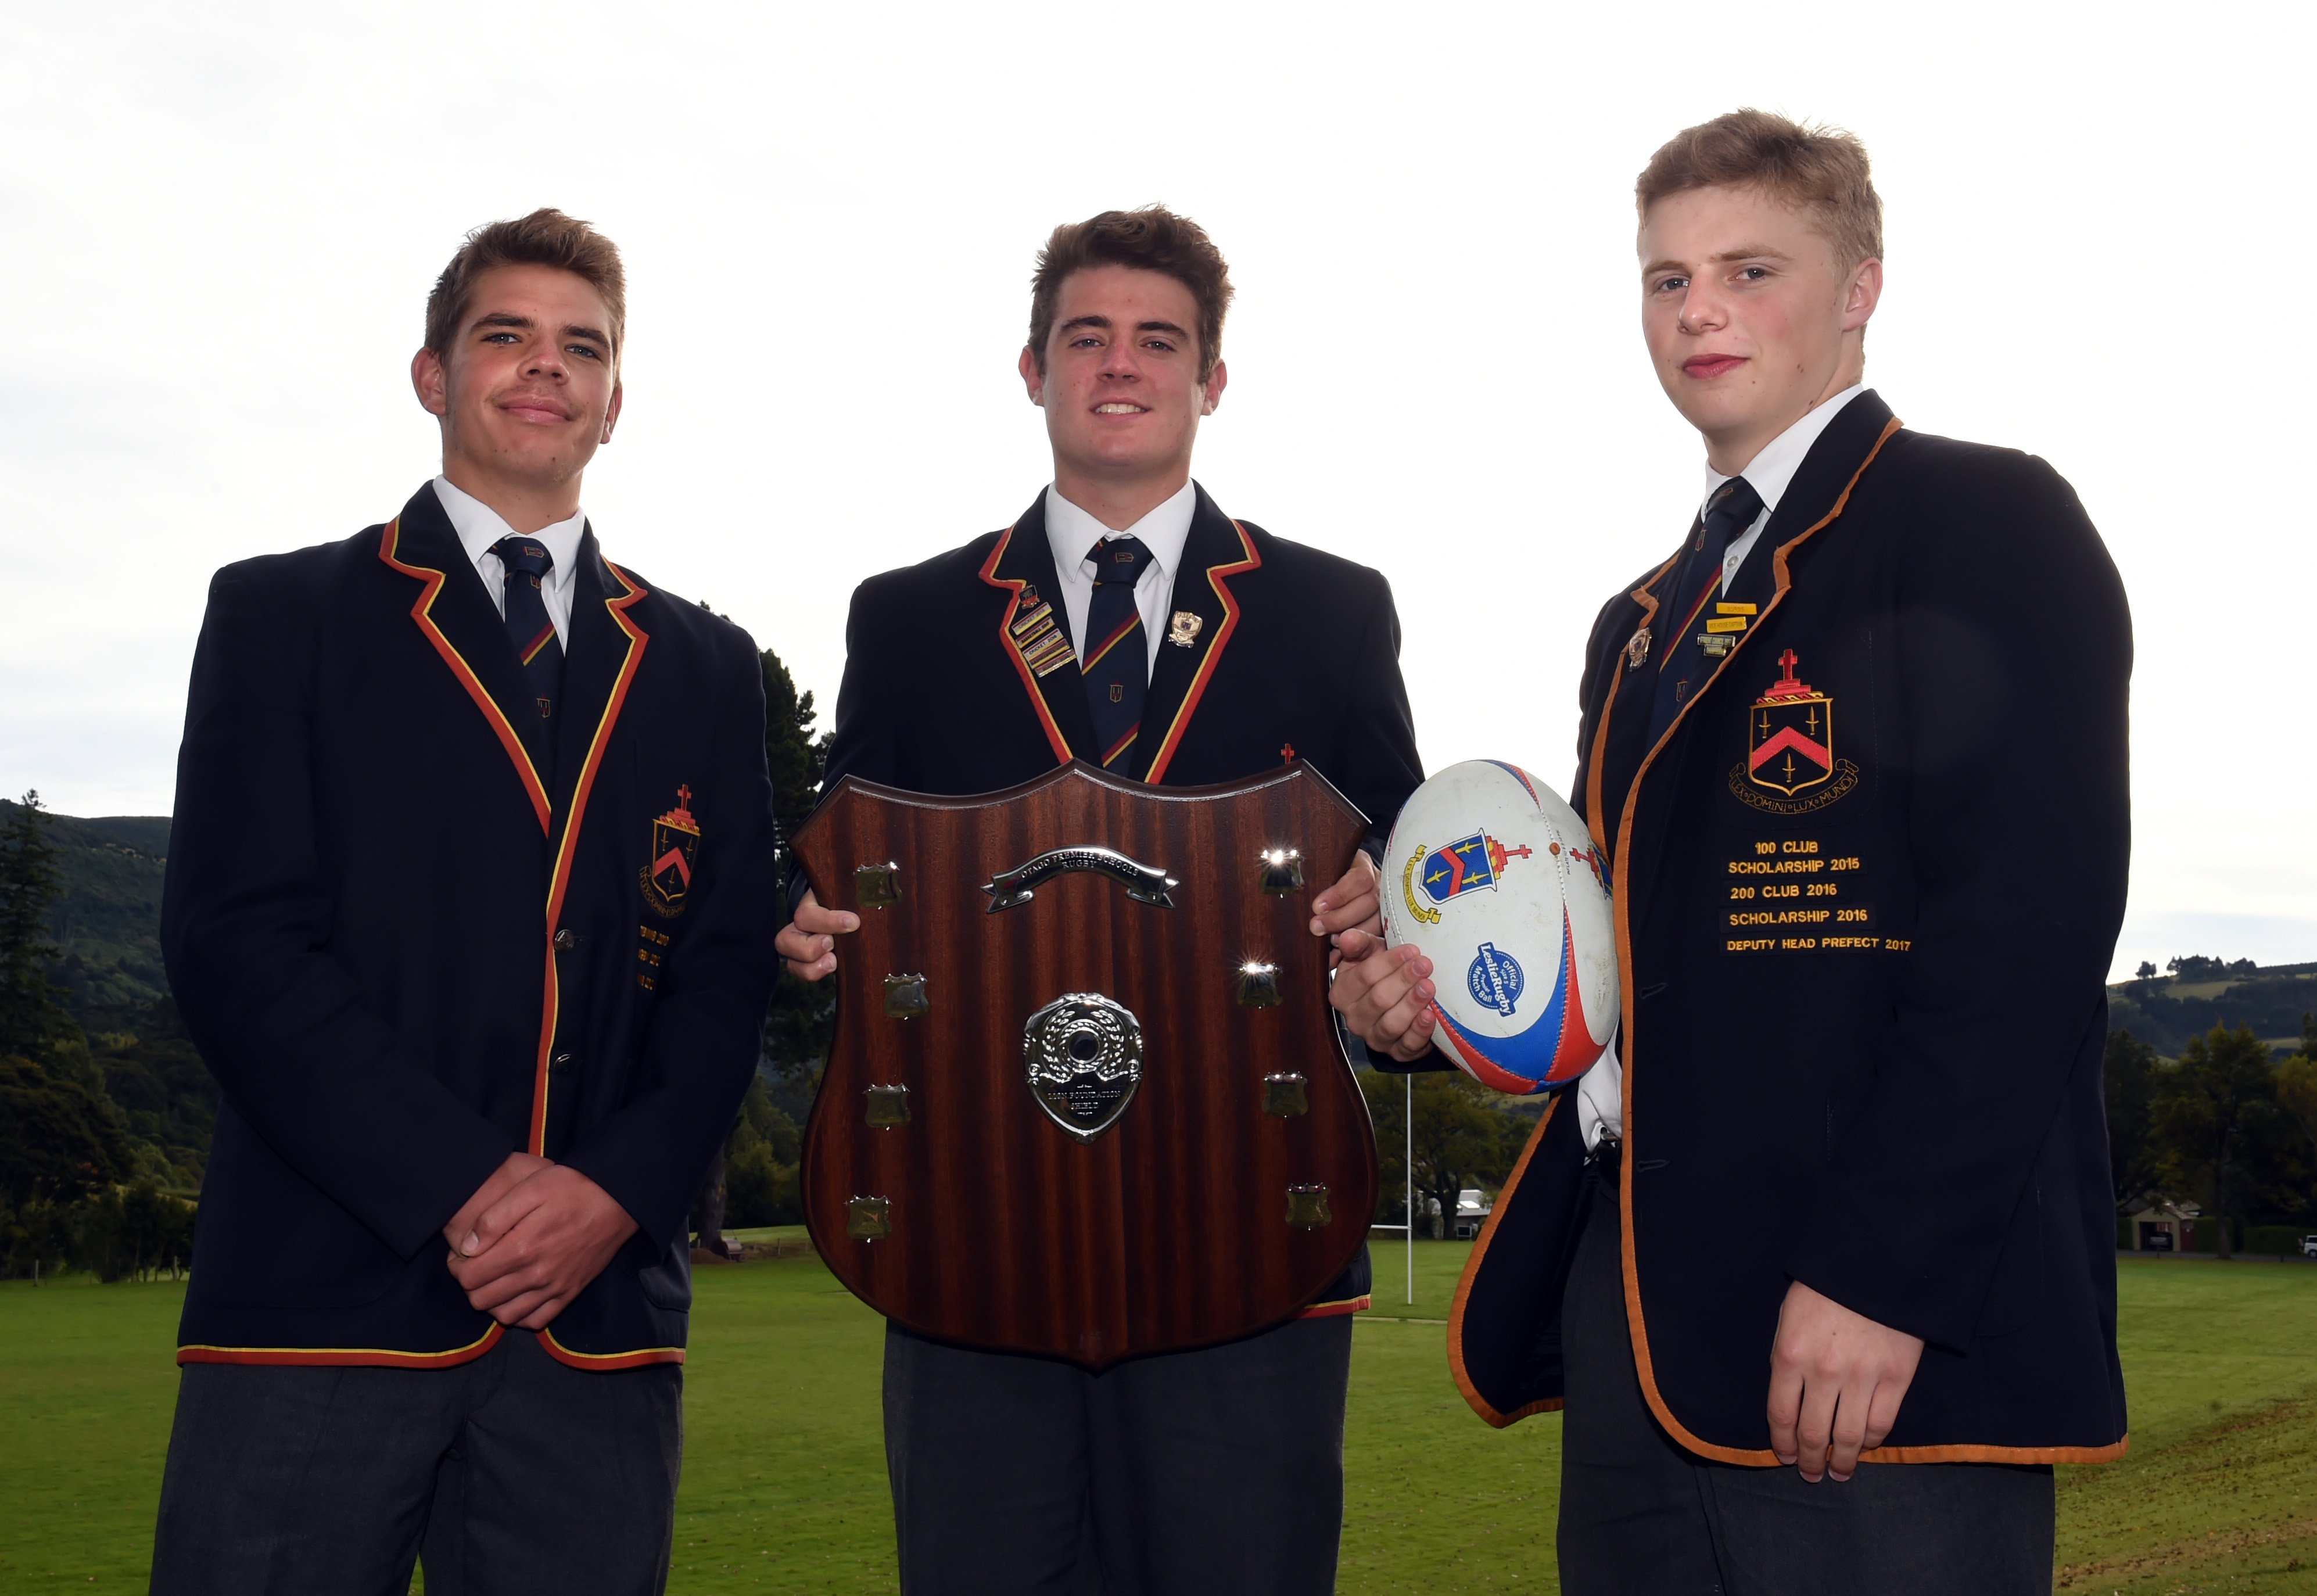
2167, 1011
108, 923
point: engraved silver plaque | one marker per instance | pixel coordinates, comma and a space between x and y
1258, 985
1280, 870
877, 886
1284, 1095
867, 1218
1085, 1059
904, 996
1145, 884
888, 1106
1307, 1208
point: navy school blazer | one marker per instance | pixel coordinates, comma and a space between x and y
954, 683
1868, 885
409, 936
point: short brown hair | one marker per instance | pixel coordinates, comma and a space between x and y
546, 237
1152, 239
1820, 170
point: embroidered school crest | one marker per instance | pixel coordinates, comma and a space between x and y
1469, 864
1790, 738
674, 851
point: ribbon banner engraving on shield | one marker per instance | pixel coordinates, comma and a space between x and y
674, 851
1085, 1057
1790, 741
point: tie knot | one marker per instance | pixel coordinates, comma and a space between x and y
526, 555
1732, 509
1119, 560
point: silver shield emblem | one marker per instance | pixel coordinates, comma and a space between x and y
1084, 1058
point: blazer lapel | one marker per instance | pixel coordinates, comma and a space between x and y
1205, 614
1033, 632
605, 647
453, 609
1811, 502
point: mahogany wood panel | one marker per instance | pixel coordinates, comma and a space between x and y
1170, 1229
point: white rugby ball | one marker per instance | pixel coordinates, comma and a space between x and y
1499, 884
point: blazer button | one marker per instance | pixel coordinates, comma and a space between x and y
565, 941
560, 1064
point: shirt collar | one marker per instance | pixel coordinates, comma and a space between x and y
1772, 470
1072, 531
480, 527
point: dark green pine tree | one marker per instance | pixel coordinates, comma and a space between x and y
32, 1021
801, 1018
803, 1015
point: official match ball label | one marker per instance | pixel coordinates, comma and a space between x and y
1494, 980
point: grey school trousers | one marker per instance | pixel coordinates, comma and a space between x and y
1641, 1517
511, 1475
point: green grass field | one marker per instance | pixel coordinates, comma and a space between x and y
784, 1486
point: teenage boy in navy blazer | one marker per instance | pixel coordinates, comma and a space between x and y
1857, 746
1124, 620
466, 912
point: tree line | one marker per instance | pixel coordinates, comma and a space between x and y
83, 1182
2226, 1124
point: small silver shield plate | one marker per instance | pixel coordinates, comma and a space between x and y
1084, 1055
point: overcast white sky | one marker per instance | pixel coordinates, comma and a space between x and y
220, 223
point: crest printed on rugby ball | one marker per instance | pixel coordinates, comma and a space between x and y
1501, 886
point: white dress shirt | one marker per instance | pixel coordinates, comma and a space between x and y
1600, 1094
1771, 473
1072, 533
480, 527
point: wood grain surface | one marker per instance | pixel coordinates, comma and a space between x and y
1169, 1229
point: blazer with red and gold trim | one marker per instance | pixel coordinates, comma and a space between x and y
1867, 887
410, 936
955, 682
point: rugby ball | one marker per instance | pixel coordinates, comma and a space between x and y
1501, 884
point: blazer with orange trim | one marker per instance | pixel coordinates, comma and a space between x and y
409, 937
1868, 885
1294, 649
1296, 653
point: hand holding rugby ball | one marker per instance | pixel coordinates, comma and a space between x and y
1499, 883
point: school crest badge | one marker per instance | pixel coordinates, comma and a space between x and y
1469, 864
1790, 741
674, 852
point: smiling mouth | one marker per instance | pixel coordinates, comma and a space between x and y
1121, 407
535, 410
1713, 365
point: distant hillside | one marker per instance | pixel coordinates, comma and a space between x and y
108, 923
2166, 1011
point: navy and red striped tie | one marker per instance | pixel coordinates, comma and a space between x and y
1118, 662
1682, 665
527, 563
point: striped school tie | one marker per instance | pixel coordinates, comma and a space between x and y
527, 563
1117, 663
1685, 664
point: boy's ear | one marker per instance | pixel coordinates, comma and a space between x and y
432, 382
1865, 293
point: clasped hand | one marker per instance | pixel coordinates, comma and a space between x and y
531, 1239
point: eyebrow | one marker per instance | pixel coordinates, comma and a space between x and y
1747, 252
1105, 323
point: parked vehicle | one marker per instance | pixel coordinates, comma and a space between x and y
2309, 1246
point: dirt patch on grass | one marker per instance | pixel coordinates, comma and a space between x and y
2236, 1487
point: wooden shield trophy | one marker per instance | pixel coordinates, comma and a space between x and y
1086, 1098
